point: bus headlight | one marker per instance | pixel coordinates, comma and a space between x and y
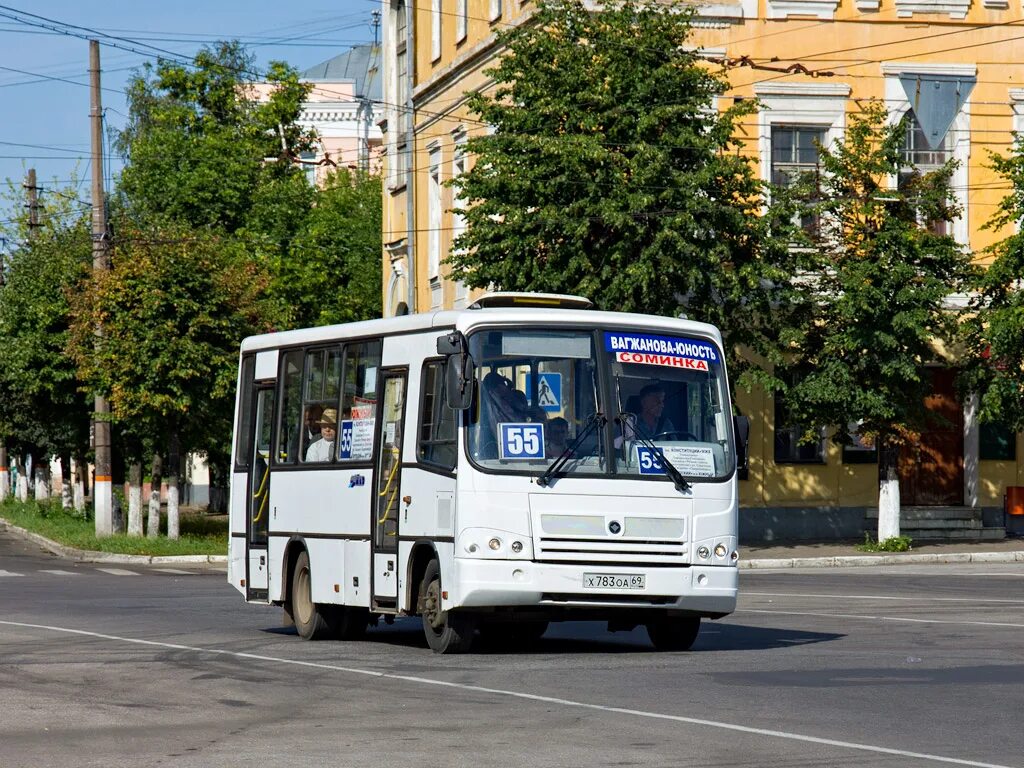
720, 549
494, 544
517, 547
703, 552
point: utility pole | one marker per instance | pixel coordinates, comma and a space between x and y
33, 202
102, 489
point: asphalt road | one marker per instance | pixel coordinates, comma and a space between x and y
898, 666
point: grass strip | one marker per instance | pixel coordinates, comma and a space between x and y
201, 534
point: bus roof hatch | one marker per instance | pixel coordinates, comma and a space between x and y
545, 300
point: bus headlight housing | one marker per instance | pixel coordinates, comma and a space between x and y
491, 544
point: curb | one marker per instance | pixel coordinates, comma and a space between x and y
87, 556
858, 561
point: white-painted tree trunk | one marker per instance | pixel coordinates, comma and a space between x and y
156, 476
22, 487
42, 488
5, 483
172, 508
889, 505
78, 472
65, 493
135, 499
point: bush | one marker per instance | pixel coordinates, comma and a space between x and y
892, 544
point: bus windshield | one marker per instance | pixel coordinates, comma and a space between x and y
539, 392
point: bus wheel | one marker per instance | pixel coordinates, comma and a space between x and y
446, 631
311, 620
351, 623
674, 633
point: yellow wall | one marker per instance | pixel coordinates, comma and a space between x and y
853, 46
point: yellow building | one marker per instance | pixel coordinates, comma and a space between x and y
956, 65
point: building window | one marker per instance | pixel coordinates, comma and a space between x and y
435, 30
402, 69
795, 154
788, 448
308, 165
437, 420
458, 220
461, 14
434, 215
495, 10
997, 442
859, 452
918, 159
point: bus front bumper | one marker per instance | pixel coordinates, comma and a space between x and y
706, 590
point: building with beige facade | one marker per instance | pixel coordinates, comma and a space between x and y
954, 65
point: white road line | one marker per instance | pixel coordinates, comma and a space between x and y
118, 571
520, 695
57, 572
10, 573
886, 618
175, 571
889, 597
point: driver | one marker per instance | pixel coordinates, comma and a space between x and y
651, 418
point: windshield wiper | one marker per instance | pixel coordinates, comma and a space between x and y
596, 421
639, 433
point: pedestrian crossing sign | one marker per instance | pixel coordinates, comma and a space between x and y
549, 391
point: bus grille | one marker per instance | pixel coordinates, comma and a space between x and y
608, 550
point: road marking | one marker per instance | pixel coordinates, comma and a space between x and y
117, 572
890, 597
886, 618
56, 572
175, 571
9, 573
520, 695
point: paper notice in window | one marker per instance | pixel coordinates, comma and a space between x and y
691, 461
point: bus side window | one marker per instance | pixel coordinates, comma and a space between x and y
290, 418
358, 413
243, 430
320, 397
437, 421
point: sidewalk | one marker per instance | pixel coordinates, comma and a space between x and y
846, 554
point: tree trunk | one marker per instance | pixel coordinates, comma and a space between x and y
174, 472
135, 499
40, 476
22, 479
156, 476
65, 480
5, 475
80, 472
888, 491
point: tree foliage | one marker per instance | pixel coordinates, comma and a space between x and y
609, 173
42, 411
875, 287
993, 332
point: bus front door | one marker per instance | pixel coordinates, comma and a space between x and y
387, 500
256, 583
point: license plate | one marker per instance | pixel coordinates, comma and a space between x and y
614, 581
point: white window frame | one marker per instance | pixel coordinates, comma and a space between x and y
495, 10
459, 166
957, 9
461, 20
959, 130
820, 9
435, 30
434, 213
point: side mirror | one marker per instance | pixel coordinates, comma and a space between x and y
459, 371
741, 428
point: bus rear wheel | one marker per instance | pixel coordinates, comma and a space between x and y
311, 620
673, 633
446, 631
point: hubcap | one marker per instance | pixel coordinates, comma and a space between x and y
303, 603
435, 617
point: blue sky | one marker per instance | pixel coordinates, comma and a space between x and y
38, 107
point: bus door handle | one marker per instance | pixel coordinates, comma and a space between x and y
407, 500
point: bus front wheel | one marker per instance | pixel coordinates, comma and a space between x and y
446, 631
311, 620
674, 633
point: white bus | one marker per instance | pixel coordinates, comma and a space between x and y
490, 469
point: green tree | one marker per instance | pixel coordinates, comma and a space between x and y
333, 270
201, 148
609, 174
875, 289
172, 310
42, 411
993, 331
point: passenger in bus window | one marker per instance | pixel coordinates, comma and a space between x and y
323, 449
556, 437
313, 414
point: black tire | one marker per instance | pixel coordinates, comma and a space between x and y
351, 623
674, 633
312, 621
446, 631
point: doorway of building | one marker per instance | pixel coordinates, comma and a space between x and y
932, 471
